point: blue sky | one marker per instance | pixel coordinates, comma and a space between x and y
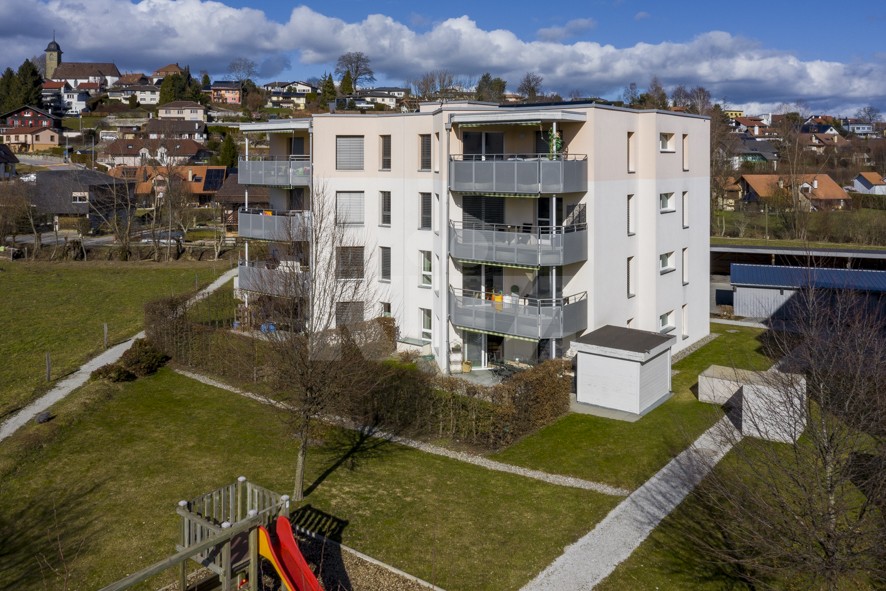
756, 55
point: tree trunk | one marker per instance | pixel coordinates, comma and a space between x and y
299, 487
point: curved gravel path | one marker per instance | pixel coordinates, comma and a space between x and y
436, 449
81, 376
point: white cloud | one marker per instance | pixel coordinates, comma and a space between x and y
207, 34
571, 29
642, 15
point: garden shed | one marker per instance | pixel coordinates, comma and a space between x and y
622, 369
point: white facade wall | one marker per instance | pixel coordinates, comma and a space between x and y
603, 136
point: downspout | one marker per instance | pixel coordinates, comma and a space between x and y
444, 293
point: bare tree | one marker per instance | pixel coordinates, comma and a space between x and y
723, 147
425, 86
357, 64
530, 86
325, 354
791, 205
869, 114
700, 100
807, 514
14, 205
242, 69
631, 94
680, 97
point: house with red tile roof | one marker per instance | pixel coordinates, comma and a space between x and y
872, 183
814, 191
139, 152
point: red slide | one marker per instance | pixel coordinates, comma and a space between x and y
287, 558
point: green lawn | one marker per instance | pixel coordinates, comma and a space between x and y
60, 308
724, 241
114, 463
627, 454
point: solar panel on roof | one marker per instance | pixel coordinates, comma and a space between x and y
214, 179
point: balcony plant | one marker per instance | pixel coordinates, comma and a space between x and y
555, 145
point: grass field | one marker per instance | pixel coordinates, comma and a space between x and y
107, 473
60, 308
627, 454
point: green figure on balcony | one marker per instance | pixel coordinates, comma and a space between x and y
555, 145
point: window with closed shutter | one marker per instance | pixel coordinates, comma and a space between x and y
426, 217
349, 208
477, 210
386, 152
425, 145
385, 252
349, 152
349, 262
385, 208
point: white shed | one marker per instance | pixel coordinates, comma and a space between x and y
623, 369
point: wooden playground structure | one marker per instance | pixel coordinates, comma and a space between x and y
222, 531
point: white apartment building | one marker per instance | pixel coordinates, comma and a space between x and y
510, 230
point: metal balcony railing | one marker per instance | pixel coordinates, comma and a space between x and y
277, 278
518, 173
273, 171
509, 244
530, 318
268, 224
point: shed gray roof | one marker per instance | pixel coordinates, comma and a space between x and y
625, 339
797, 277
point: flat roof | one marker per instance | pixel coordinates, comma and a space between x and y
277, 126
625, 339
514, 116
797, 277
799, 250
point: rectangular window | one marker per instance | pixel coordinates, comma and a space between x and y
385, 152
685, 265
426, 324
632, 153
427, 214
349, 208
349, 263
424, 162
666, 202
684, 321
385, 208
426, 268
666, 262
348, 313
386, 309
631, 216
684, 205
630, 275
79, 197
349, 152
385, 263
685, 152
666, 322
666, 142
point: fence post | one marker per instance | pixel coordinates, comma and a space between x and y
253, 554
183, 567
226, 560
240, 481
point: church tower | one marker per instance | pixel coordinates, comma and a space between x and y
53, 57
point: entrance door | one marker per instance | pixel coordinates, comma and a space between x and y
475, 348
480, 145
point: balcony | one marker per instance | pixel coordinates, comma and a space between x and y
266, 224
527, 245
528, 318
518, 174
270, 171
276, 278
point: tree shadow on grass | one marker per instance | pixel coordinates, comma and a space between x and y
351, 448
40, 544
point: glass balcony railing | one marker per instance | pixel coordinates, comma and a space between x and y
529, 318
267, 224
277, 278
519, 174
528, 245
270, 171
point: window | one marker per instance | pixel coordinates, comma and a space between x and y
666, 202
385, 152
349, 152
349, 263
630, 275
632, 229
684, 321
385, 207
685, 152
425, 152
666, 262
632, 153
684, 205
349, 210
666, 142
426, 324
426, 269
386, 309
685, 266
424, 222
385, 263
666, 322
79, 197
348, 313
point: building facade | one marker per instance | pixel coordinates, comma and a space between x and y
503, 231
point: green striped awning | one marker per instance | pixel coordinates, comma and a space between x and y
497, 264
498, 334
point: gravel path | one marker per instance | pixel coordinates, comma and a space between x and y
436, 449
81, 376
592, 558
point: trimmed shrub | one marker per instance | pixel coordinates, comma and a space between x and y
143, 359
112, 372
